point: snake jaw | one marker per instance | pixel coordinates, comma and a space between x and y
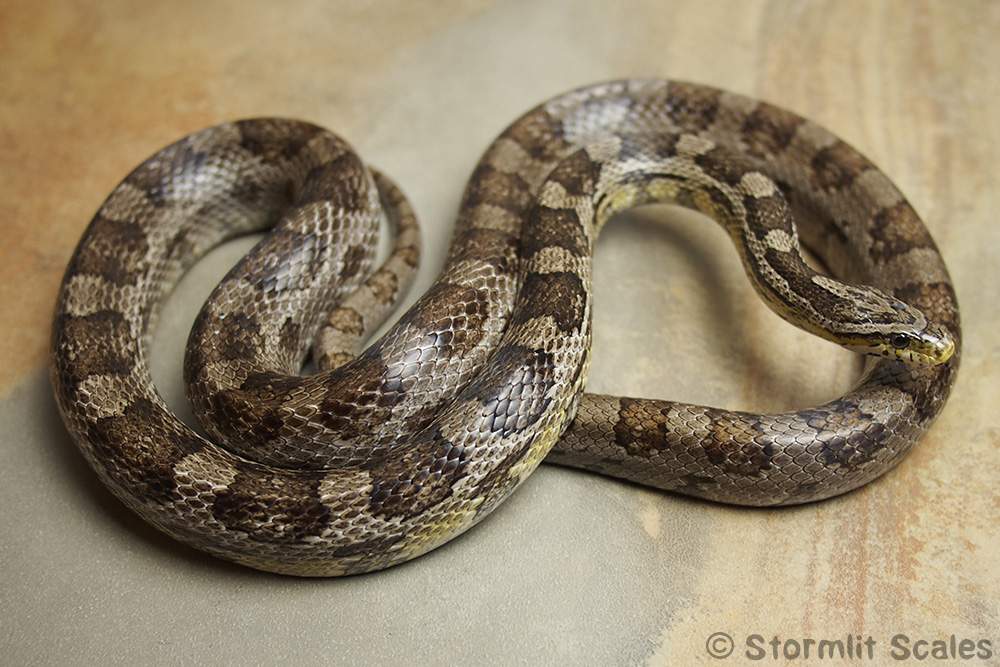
931, 346
938, 345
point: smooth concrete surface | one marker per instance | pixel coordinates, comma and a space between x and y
574, 569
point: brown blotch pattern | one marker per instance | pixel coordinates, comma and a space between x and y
769, 130
491, 246
139, 445
347, 320
370, 399
384, 285
693, 107
343, 182
273, 139
722, 165
577, 174
272, 506
252, 414
554, 227
117, 251
453, 317
490, 186
721, 202
849, 435
897, 230
334, 360
354, 261
513, 390
560, 295
422, 477
539, 134
837, 166
736, 444
409, 254
640, 431
238, 337
445, 303
766, 214
288, 336
96, 344
798, 276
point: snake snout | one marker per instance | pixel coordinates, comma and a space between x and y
939, 344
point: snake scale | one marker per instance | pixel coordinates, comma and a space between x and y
387, 452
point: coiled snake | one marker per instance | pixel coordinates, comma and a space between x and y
390, 451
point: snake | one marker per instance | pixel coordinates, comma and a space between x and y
320, 456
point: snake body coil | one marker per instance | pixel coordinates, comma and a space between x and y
391, 451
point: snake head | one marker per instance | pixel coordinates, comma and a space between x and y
930, 346
870, 321
909, 337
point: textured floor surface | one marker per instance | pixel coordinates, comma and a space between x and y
574, 569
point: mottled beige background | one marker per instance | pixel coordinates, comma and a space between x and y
574, 569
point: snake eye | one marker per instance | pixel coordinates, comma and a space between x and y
899, 341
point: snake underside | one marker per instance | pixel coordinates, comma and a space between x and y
387, 452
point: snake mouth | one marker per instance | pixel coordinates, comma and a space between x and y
931, 347
938, 344
943, 351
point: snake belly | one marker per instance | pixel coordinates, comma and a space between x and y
388, 452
